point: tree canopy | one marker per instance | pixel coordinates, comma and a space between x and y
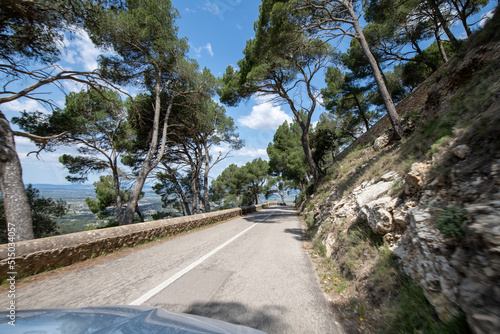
237, 186
280, 62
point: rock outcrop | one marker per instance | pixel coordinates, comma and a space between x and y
455, 275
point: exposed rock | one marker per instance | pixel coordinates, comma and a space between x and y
414, 180
329, 242
486, 229
390, 176
461, 151
398, 216
377, 215
383, 140
373, 192
454, 276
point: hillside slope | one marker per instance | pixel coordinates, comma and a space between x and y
430, 203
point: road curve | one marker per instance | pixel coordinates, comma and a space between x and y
251, 271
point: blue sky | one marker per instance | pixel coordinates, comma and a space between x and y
217, 31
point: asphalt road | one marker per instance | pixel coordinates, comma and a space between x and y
251, 271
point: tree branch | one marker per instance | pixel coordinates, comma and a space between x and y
38, 139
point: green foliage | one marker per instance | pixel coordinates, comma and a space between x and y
105, 203
34, 29
196, 127
286, 156
111, 223
44, 212
281, 62
412, 313
348, 102
144, 36
421, 66
311, 228
164, 215
240, 186
255, 175
172, 186
279, 188
95, 121
452, 222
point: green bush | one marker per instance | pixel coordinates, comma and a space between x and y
412, 313
452, 222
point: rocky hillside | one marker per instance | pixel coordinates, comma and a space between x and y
398, 221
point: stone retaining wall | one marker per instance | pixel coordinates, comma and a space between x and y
39, 255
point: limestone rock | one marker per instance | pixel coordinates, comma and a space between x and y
390, 176
461, 151
414, 180
383, 140
329, 242
377, 215
373, 192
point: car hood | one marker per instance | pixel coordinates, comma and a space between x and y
114, 319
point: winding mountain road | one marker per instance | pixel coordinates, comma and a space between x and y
251, 271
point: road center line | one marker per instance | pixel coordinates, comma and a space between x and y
193, 265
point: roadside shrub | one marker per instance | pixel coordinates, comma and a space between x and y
452, 222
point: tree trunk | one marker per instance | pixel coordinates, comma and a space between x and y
149, 164
441, 47
466, 26
305, 141
282, 195
306, 146
463, 16
205, 181
139, 213
194, 195
128, 216
180, 191
444, 24
361, 113
119, 204
382, 88
205, 192
16, 205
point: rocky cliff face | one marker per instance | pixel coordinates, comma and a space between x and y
440, 219
455, 275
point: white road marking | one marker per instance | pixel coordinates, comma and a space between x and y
193, 265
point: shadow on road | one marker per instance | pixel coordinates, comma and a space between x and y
265, 319
299, 235
281, 214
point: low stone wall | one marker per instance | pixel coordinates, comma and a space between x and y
39, 255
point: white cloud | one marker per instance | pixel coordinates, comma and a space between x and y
211, 7
265, 116
485, 18
23, 104
251, 151
73, 86
207, 47
81, 51
219, 7
246, 151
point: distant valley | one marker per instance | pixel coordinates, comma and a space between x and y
79, 217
